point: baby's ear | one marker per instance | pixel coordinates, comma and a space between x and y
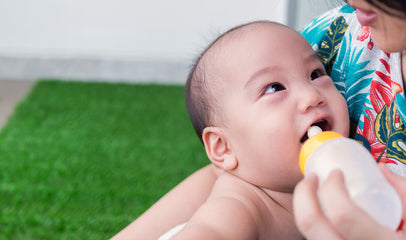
218, 149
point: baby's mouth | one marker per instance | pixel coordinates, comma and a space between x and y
323, 124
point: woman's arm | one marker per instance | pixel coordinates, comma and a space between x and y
176, 207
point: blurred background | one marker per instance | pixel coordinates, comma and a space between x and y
125, 40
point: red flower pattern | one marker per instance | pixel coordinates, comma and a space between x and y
383, 92
364, 34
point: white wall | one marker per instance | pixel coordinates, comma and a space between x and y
134, 28
117, 40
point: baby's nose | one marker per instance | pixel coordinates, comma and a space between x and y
310, 98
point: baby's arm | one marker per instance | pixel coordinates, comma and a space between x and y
176, 207
221, 218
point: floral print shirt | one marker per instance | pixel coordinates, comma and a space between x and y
370, 80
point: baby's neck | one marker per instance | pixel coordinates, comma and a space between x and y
285, 200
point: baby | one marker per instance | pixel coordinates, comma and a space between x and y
252, 96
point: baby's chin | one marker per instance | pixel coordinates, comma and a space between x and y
288, 188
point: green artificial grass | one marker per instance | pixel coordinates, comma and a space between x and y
82, 160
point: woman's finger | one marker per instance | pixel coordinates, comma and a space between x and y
308, 215
399, 184
396, 181
348, 219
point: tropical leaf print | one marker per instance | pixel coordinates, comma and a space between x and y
390, 132
397, 147
352, 78
337, 73
384, 89
331, 41
401, 103
367, 138
314, 31
382, 128
347, 9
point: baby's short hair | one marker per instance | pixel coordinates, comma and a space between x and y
200, 102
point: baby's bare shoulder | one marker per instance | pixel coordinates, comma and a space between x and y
261, 209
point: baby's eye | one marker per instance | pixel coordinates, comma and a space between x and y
316, 74
274, 87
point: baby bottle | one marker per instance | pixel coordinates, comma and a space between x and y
366, 185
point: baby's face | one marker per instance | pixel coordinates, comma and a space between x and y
273, 89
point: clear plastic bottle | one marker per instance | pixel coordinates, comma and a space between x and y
326, 151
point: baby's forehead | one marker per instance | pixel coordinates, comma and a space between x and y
253, 29
250, 34
254, 37
233, 50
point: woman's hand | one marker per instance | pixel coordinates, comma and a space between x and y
342, 219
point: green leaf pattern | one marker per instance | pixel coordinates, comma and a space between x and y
331, 41
354, 81
391, 133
